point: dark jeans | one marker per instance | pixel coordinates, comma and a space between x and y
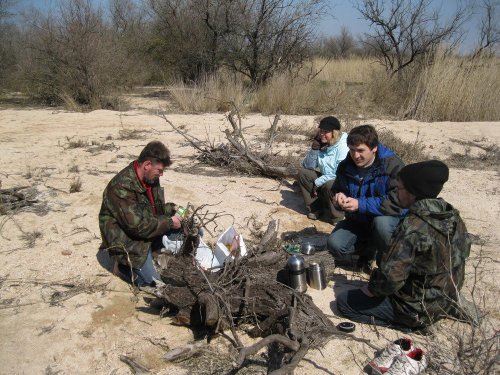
348, 236
357, 306
322, 202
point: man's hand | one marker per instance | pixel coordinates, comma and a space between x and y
314, 191
340, 199
366, 291
176, 221
350, 205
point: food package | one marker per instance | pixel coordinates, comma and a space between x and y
209, 259
231, 244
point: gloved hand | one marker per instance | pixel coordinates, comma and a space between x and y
314, 192
316, 144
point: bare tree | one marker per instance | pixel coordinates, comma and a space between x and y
405, 30
341, 45
273, 35
489, 31
254, 37
72, 56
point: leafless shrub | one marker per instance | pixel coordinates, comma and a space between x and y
99, 147
30, 238
79, 143
409, 152
489, 159
76, 185
127, 134
28, 173
73, 169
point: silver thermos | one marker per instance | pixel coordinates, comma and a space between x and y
316, 276
297, 273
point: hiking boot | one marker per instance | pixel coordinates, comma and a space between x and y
314, 215
413, 363
384, 360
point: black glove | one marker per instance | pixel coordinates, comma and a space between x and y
316, 144
314, 192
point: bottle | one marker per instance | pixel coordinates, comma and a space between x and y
297, 273
181, 212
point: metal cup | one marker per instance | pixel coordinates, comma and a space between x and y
307, 248
316, 277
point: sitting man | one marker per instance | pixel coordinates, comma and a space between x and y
317, 175
365, 189
134, 216
421, 274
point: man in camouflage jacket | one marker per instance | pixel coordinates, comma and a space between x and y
421, 274
134, 214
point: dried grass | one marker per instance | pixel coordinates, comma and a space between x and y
76, 185
219, 92
458, 89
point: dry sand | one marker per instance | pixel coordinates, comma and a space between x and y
87, 332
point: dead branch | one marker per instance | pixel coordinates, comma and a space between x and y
136, 367
250, 350
237, 154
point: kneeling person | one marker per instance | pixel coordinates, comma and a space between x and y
134, 216
365, 189
420, 276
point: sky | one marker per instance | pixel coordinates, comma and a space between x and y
341, 13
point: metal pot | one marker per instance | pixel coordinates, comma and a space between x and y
297, 273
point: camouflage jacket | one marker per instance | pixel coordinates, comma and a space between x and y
423, 270
126, 220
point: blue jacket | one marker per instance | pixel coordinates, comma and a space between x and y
327, 160
376, 192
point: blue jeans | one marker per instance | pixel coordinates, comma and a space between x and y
143, 276
357, 306
348, 235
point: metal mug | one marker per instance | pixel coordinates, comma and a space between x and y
307, 248
316, 277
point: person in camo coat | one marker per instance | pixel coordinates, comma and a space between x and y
421, 274
134, 216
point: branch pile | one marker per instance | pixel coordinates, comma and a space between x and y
16, 198
249, 294
238, 155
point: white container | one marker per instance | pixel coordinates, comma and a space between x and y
226, 238
208, 259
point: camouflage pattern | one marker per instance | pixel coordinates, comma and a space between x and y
423, 270
126, 220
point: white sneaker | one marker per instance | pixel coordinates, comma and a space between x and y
412, 363
384, 360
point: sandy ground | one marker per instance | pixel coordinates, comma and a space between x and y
86, 333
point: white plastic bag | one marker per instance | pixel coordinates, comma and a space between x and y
227, 239
173, 246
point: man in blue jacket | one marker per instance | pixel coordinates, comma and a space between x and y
366, 190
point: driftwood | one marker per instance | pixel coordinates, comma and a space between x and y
238, 155
135, 366
249, 294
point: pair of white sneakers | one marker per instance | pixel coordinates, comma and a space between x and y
399, 358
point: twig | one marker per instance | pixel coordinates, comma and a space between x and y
136, 367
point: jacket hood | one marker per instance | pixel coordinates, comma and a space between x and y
438, 213
383, 152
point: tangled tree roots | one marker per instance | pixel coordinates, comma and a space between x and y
249, 294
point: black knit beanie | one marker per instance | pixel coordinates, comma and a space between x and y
329, 123
424, 179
